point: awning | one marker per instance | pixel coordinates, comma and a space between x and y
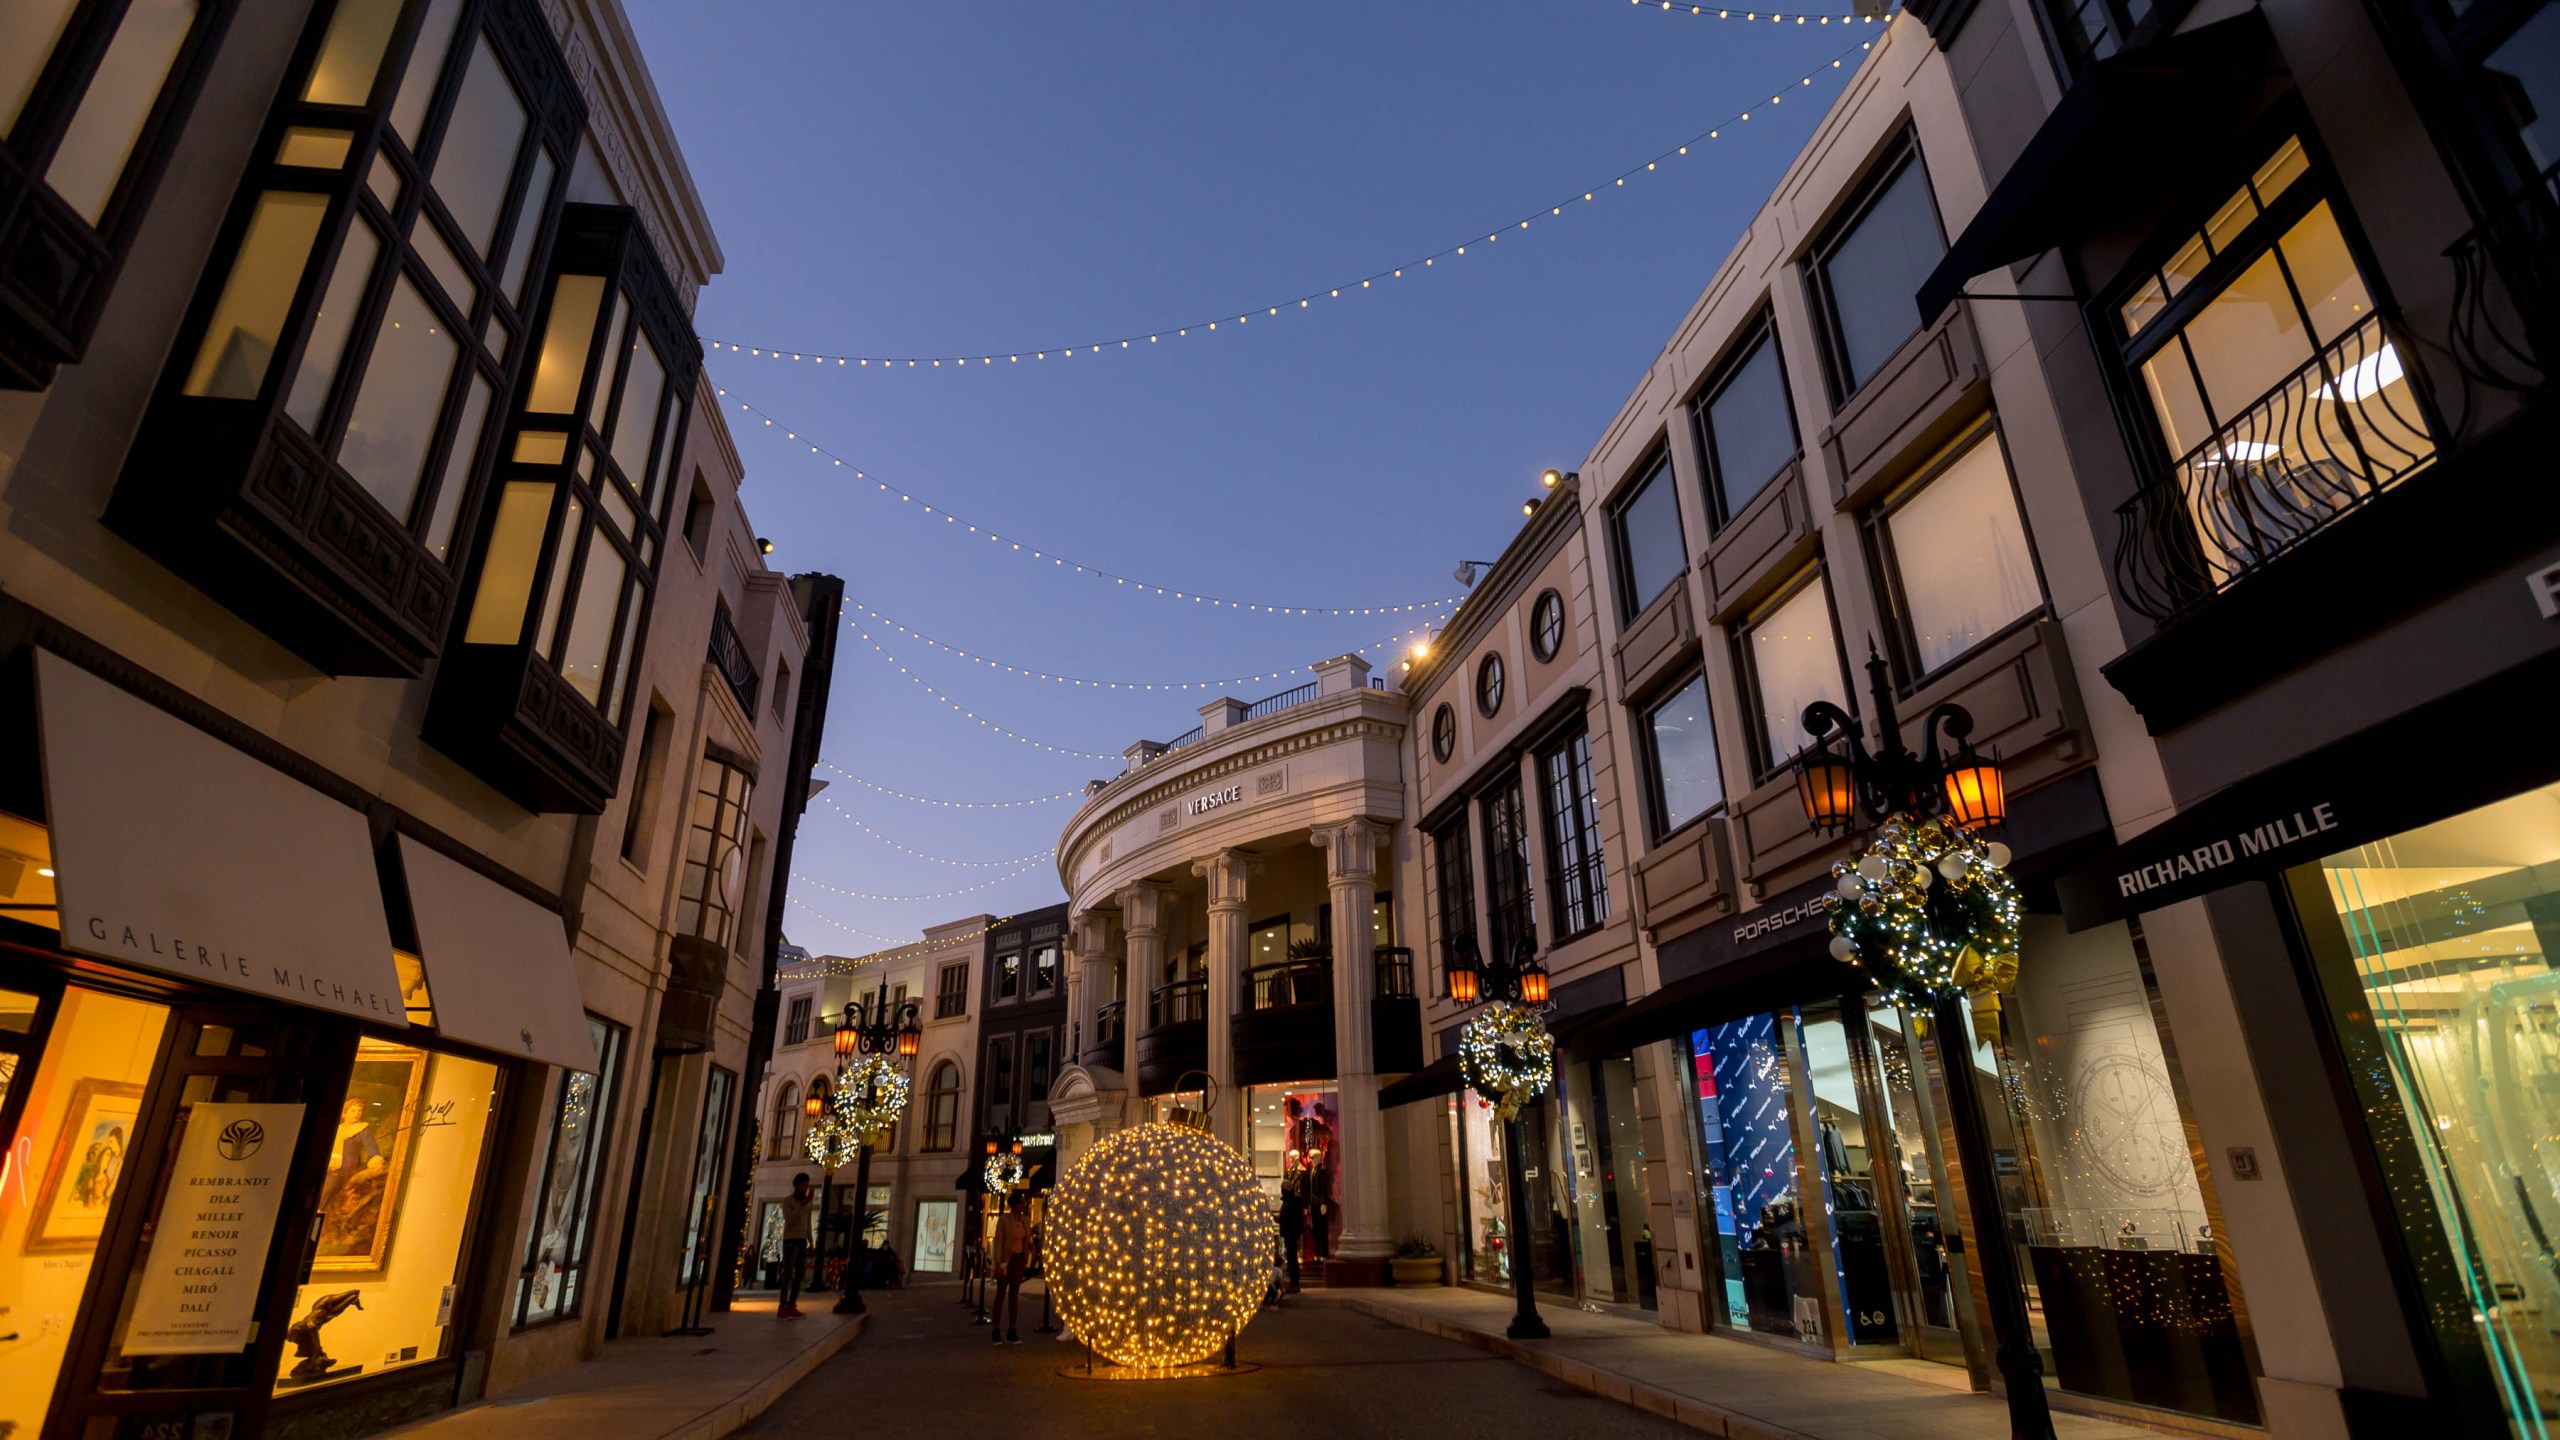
1438, 1078
179, 853
498, 966
2125, 137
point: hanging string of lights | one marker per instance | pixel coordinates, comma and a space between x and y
936, 895
844, 774
1017, 863
817, 966
1019, 739
1296, 303
1781, 17
1395, 641
1118, 580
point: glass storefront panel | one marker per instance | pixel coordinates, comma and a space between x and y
1613, 1218
395, 1204
1908, 1122
2129, 1286
2452, 1030
1484, 1197
1765, 1246
1843, 1161
1293, 1134
58, 1185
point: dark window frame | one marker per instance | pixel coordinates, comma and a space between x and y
951, 991
998, 1089
1902, 152
1655, 468
1546, 613
605, 1105
1043, 977
942, 1107
1453, 872
1493, 676
731, 805
40, 332
1444, 732
1008, 977
1884, 564
1577, 883
795, 1028
1037, 1078
1649, 756
1511, 882
1760, 330
1763, 770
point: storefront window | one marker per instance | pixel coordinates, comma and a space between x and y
1764, 1242
1613, 1219
1293, 1134
58, 1182
1844, 1163
1909, 1124
2130, 1285
395, 1200
573, 1163
2452, 1030
710, 1145
1484, 1197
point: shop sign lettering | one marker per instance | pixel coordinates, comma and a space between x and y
1216, 798
1784, 917
171, 951
198, 1290
2261, 839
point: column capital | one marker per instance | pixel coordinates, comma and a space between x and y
1351, 848
1142, 908
1227, 871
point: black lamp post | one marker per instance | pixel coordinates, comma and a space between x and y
1965, 790
877, 1026
1522, 979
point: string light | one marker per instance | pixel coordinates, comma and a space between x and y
1927, 910
936, 895
844, 774
1118, 581
1781, 17
974, 715
1296, 304
1018, 862
868, 1099
1157, 1245
825, 966
1389, 642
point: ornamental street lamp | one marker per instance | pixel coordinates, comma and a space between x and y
1838, 786
878, 1026
1522, 980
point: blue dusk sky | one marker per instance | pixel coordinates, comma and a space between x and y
1002, 176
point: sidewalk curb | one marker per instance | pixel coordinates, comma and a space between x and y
1607, 1384
734, 1415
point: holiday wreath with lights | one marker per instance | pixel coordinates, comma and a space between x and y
1157, 1245
1928, 910
1004, 1173
1507, 1056
868, 1099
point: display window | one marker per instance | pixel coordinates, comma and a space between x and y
1294, 1135
1612, 1212
1484, 1199
572, 1161
937, 1236
2434, 951
1744, 1071
396, 1199
63, 1176
1484, 1194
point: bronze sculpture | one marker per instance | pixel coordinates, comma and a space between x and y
305, 1334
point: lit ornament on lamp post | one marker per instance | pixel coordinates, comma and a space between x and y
1158, 1245
1507, 1056
870, 1094
1930, 912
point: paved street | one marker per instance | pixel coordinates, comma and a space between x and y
1323, 1370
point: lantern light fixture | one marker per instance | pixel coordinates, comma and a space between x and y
1839, 781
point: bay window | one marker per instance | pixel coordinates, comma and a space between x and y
92, 97
536, 696
352, 338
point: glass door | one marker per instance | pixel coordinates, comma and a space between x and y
187, 1311
1908, 1166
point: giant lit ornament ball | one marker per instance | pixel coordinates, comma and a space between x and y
1158, 1246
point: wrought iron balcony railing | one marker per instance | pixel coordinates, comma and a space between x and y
2328, 438
1183, 1002
1302, 980
1274, 704
1395, 972
729, 657
2506, 287
1106, 1024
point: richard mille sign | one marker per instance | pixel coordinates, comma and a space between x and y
1217, 799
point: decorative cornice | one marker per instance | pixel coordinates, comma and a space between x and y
1086, 825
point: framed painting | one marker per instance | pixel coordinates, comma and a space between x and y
88, 1157
369, 1158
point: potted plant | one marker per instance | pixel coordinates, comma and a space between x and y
1417, 1262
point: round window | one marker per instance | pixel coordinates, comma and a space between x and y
1489, 684
1546, 626
1444, 734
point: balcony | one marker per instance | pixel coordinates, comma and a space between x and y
729, 657
1274, 704
1285, 1030
1109, 1020
1176, 1040
1395, 1015
2325, 441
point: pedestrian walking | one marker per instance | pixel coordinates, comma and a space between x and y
1012, 1260
1293, 1224
797, 1208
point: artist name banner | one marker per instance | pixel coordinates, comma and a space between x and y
198, 1291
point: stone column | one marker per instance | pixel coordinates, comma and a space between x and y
1142, 926
1351, 878
1228, 873
1088, 977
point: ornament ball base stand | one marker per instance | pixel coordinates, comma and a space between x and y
1525, 1324
2013, 1343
